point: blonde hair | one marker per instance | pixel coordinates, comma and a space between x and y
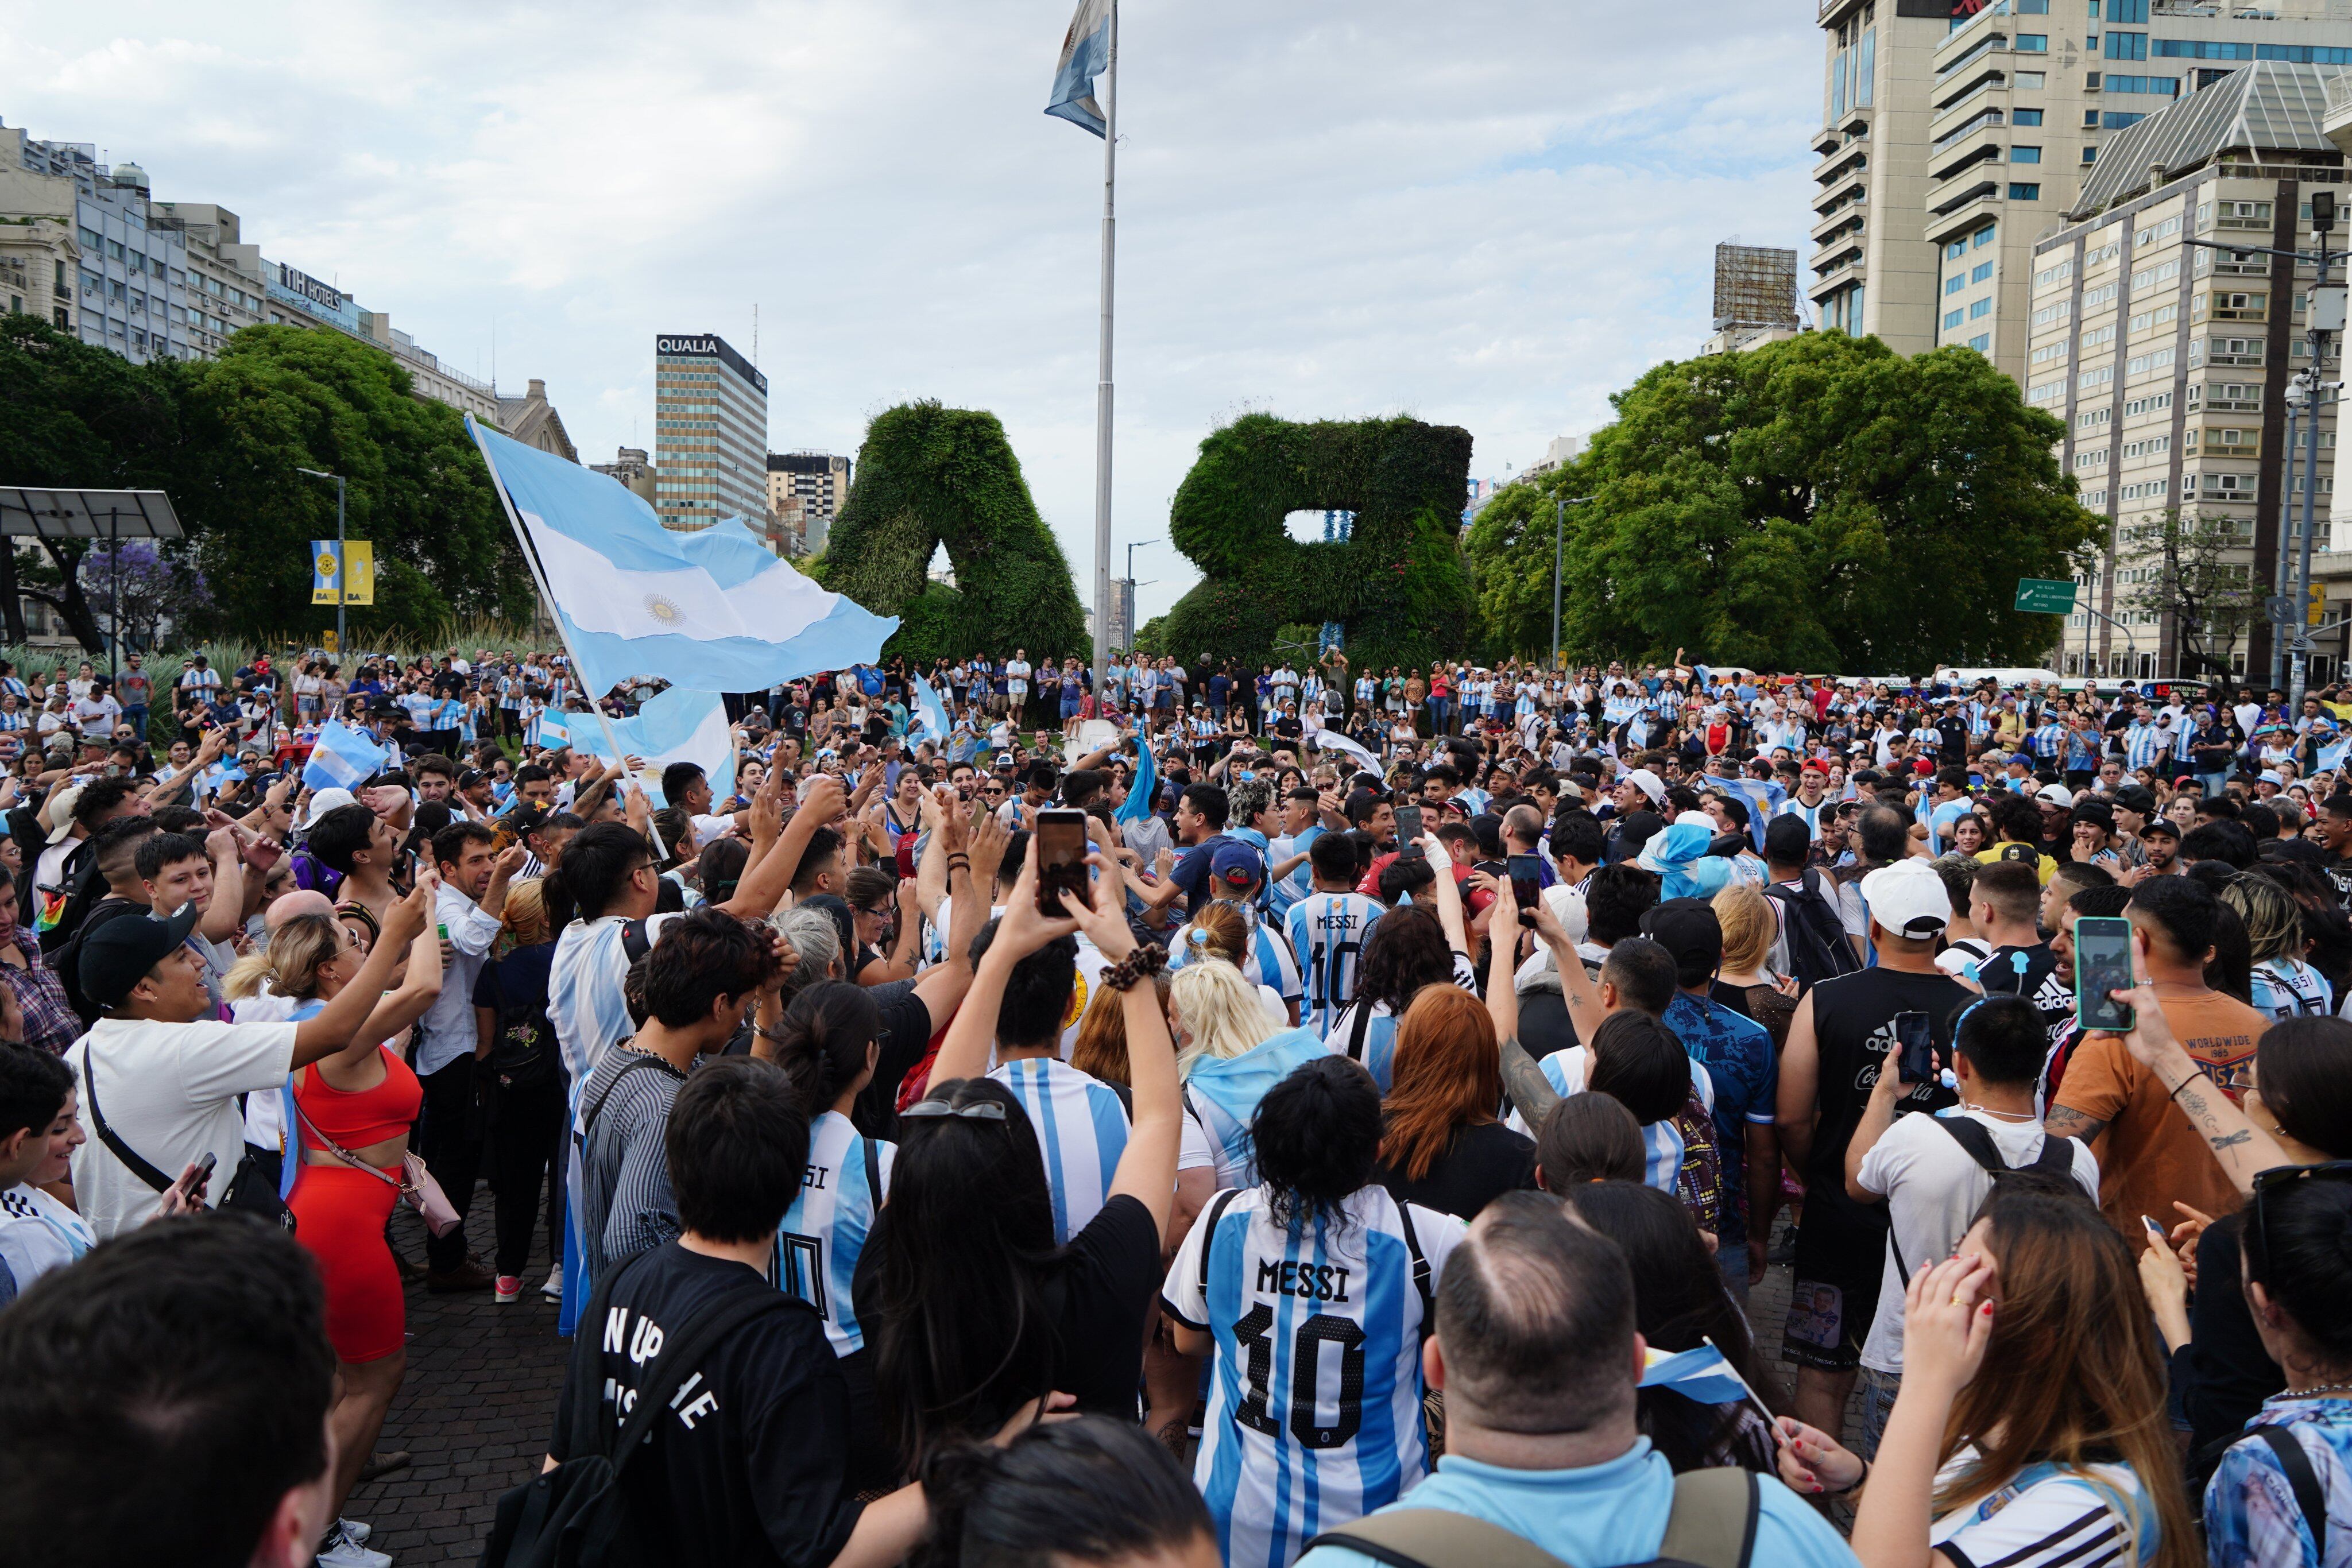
298, 950
1746, 916
1218, 1009
1218, 930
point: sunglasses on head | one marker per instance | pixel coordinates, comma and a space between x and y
2269, 1184
978, 1111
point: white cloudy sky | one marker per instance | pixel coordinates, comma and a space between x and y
1483, 213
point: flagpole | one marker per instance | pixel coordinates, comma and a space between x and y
547, 596
1103, 386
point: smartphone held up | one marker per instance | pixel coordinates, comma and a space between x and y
1061, 860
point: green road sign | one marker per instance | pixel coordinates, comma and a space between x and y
2046, 596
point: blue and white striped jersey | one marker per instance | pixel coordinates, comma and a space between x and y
1081, 1132
1314, 1394
584, 989
1222, 1093
1327, 932
2288, 987
1661, 1145
1270, 963
822, 1235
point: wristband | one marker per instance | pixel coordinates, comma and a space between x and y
2185, 1083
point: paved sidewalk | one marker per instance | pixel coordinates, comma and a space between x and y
478, 1403
474, 1413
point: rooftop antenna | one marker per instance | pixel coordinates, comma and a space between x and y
755, 334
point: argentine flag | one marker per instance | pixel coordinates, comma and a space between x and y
1086, 55
1143, 790
711, 611
345, 757
678, 725
931, 719
1701, 1374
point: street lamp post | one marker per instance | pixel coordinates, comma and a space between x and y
342, 563
1132, 546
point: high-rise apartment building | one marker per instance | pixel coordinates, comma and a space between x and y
819, 483
2170, 363
1956, 132
710, 434
633, 469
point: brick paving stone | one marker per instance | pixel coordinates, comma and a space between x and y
474, 1412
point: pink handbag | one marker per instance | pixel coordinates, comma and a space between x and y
416, 1183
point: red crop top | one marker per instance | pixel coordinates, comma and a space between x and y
368, 1116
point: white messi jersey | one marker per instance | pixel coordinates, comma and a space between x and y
1091, 964
1315, 1393
1327, 932
824, 1233
1081, 1129
1661, 1145
1375, 1046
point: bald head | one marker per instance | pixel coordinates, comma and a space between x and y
1534, 1322
302, 900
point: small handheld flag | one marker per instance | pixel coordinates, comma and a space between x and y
343, 758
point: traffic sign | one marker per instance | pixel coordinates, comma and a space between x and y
2046, 596
2278, 608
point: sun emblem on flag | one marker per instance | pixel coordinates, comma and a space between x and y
664, 609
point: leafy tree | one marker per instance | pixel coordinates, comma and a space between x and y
150, 586
1822, 503
280, 399
929, 476
2204, 580
75, 418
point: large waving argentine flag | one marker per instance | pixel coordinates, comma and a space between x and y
711, 611
1086, 55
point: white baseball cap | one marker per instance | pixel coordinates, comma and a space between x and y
1649, 783
2056, 794
1907, 898
326, 800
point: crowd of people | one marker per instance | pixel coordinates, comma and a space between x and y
1295, 1114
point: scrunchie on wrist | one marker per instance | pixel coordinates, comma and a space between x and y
1147, 959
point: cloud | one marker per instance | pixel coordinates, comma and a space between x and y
1487, 215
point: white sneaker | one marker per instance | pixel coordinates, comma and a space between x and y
337, 1550
553, 1289
357, 1529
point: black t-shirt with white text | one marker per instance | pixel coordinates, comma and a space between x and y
751, 1466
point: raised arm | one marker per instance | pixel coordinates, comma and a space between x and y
764, 885
2240, 1147
329, 1030
1447, 893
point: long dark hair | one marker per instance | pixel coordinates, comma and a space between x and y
1317, 1138
1678, 1302
1406, 951
962, 1333
828, 1031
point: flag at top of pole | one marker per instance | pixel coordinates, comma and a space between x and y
1086, 55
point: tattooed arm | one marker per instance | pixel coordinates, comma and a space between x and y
2065, 1121
2239, 1146
1530, 1091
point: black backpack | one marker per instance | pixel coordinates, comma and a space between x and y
2056, 1159
1818, 948
575, 1515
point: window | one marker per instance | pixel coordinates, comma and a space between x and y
2031, 43
2026, 117
2126, 45
1983, 237
1865, 66
2049, 313
2096, 335
1958, 248
2045, 353
2089, 153
2114, 120
2025, 154
2200, 49
1951, 320
2304, 54
2025, 193
2169, 86
1955, 283
1979, 309
1982, 342
2090, 120
2033, 7
1982, 270
2030, 79
2126, 11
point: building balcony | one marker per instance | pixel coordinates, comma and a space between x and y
1843, 264
1844, 221
2337, 119
1850, 158
1964, 210
1847, 194
1965, 157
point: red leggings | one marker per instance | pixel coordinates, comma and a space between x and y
338, 1216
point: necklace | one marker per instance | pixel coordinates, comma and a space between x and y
2319, 1388
2004, 1115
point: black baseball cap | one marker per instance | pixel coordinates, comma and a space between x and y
2164, 825
1688, 928
120, 953
2136, 798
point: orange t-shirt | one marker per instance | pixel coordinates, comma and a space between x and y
2149, 1154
